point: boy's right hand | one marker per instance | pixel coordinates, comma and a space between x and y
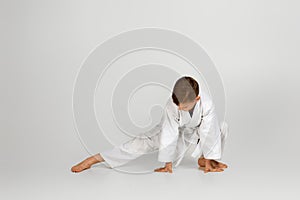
166, 168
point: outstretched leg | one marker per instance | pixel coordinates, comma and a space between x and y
122, 154
130, 150
87, 163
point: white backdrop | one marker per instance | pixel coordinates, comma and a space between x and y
254, 44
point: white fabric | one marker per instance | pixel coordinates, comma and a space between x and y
176, 131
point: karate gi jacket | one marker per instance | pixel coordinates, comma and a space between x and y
178, 130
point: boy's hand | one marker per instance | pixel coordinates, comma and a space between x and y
210, 165
167, 168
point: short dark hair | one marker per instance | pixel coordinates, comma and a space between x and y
185, 90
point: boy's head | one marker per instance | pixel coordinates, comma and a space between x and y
185, 93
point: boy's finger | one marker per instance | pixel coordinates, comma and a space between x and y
214, 170
163, 169
220, 165
214, 164
223, 165
158, 170
207, 169
218, 170
217, 164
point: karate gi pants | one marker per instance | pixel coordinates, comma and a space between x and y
145, 144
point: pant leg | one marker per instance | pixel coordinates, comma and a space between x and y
130, 150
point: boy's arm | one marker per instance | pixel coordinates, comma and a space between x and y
168, 138
210, 140
210, 134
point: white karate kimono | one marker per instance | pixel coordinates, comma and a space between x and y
174, 134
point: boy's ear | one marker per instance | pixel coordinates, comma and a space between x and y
197, 98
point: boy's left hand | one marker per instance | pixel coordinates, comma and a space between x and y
211, 165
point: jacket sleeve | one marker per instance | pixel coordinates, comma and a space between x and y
169, 134
210, 134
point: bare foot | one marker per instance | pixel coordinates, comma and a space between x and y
87, 163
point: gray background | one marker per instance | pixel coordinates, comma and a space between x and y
254, 45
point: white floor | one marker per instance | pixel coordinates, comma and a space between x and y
56, 181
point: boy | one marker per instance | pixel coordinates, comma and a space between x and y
188, 117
